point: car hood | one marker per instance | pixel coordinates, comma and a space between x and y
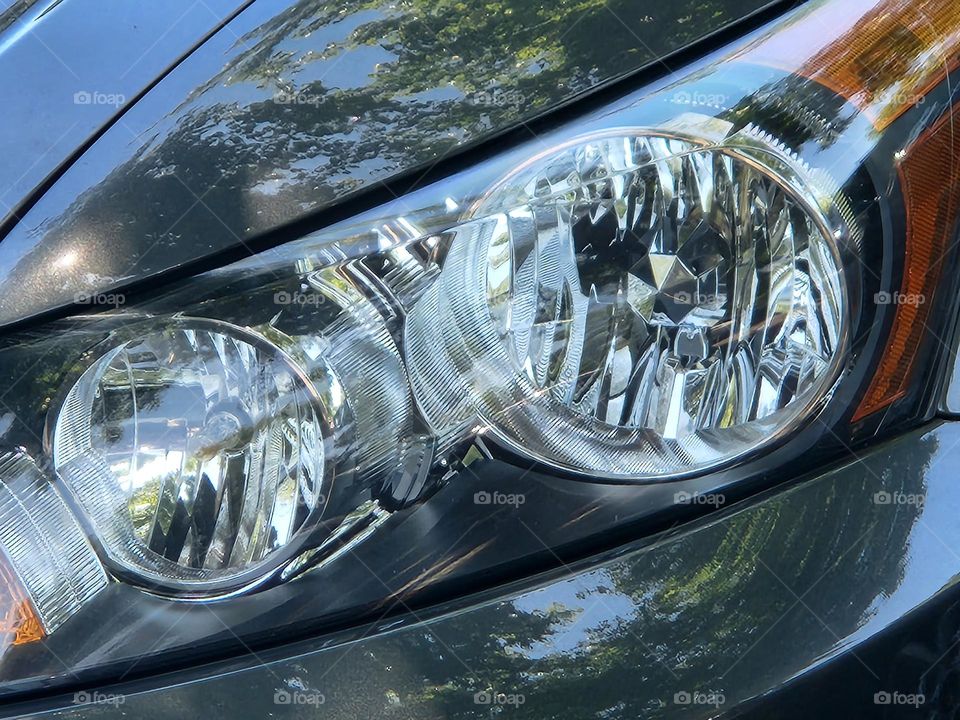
288, 109
72, 66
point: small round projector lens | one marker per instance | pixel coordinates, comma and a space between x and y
637, 306
197, 452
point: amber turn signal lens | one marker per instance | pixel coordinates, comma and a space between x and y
930, 178
883, 57
19, 622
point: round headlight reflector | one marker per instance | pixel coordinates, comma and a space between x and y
197, 452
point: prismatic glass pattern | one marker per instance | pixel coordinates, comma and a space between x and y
196, 450
647, 283
637, 307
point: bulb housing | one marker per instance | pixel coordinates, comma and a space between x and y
643, 304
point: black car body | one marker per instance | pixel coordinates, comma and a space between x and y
148, 146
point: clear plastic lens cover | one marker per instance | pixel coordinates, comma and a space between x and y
204, 454
645, 306
197, 449
634, 304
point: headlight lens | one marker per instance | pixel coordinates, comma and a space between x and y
637, 306
681, 286
198, 452
650, 307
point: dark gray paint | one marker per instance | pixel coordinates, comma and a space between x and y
56, 54
742, 604
212, 157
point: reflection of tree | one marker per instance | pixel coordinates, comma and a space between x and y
35, 376
480, 658
890, 56
701, 608
379, 87
882, 56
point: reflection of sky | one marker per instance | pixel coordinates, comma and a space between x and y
592, 597
821, 25
930, 553
347, 70
335, 32
933, 550
440, 94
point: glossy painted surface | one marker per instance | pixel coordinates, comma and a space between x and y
296, 105
775, 592
69, 67
949, 403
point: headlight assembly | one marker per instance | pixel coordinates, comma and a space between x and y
197, 451
703, 284
651, 305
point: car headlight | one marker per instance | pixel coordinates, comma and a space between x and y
685, 285
197, 451
639, 305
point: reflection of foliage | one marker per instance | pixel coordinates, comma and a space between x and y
379, 87
713, 606
472, 46
447, 674
36, 374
